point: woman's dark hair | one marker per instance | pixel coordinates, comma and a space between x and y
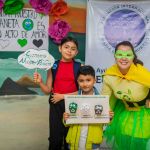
69, 39
86, 70
127, 43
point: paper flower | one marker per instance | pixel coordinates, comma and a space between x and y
13, 6
1, 5
58, 30
41, 6
59, 8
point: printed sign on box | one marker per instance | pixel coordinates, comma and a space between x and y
85, 109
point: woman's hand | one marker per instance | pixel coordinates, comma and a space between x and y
57, 97
148, 103
37, 78
111, 114
65, 116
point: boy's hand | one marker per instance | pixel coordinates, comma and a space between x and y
57, 97
65, 116
111, 114
37, 78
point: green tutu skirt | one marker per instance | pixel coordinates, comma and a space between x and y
129, 130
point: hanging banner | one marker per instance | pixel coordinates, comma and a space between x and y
22, 31
110, 22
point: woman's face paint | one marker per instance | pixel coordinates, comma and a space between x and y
124, 54
124, 58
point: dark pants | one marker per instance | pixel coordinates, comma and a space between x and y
58, 131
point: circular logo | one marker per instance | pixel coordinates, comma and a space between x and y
27, 24
124, 25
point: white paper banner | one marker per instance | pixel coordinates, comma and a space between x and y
24, 30
33, 59
110, 22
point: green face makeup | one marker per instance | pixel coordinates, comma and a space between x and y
124, 54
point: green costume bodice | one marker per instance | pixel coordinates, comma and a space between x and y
124, 89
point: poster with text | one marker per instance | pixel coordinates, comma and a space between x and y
22, 31
111, 22
85, 109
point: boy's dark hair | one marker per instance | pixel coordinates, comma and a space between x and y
69, 39
86, 70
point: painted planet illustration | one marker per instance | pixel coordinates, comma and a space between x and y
27, 24
124, 25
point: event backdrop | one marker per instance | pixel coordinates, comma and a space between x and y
110, 22
29, 30
75, 17
24, 108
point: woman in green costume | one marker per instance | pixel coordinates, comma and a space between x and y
128, 82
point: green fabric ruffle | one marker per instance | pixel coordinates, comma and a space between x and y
129, 130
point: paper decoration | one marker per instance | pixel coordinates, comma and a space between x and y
87, 109
41, 6
59, 8
13, 6
1, 5
22, 31
33, 59
58, 30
